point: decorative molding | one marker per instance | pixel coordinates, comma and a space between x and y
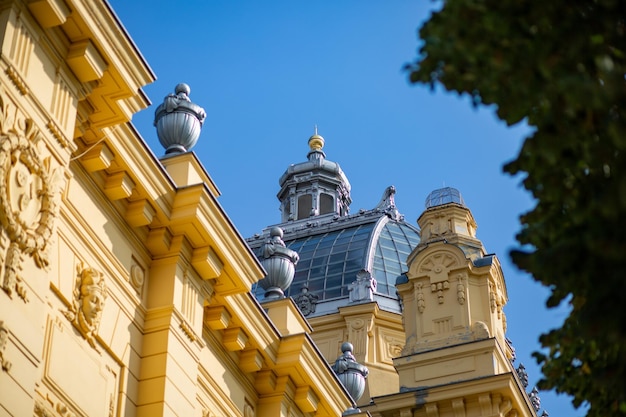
57, 133
17, 79
492, 296
437, 267
88, 301
460, 289
189, 304
137, 277
484, 401
391, 347
41, 410
50, 409
421, 303
438, 288
97, 157
207, 262
188, 331
359, 332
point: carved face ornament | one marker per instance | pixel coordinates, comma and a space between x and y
92, 306
92, 297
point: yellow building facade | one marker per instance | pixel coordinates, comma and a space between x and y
126, 290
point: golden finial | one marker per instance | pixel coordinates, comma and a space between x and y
316, 142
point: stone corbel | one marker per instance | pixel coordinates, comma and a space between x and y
49, 13
251, 360
432, 410
217, 317
118, 186
140, 213
458, 407
234, 339
306, 399
97, 158
161, 242
85, 61
207, 263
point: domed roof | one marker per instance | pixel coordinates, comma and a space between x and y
334, 249
339, 253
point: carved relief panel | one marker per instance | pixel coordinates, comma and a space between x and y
29, 191
390, 345
360, 333
438, 297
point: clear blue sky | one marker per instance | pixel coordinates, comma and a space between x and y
267, 72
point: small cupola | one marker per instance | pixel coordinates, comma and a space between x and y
447, 218
315, 187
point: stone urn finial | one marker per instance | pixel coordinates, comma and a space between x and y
351, 374
279, 263
178, 121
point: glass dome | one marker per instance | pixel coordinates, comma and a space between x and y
443, 196
330, 260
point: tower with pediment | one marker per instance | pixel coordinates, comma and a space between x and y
456, 359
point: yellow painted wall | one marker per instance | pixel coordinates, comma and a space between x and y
123, 293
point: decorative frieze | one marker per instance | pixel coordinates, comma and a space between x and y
17, 79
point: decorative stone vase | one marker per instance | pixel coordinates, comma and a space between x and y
279, 263
178, 121
351, 374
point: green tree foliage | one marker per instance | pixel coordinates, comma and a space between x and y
558, 65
